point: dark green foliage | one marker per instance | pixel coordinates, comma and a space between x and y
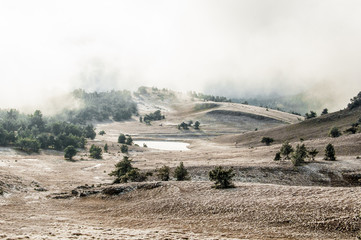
124, 148
102, 132
286, 150
355, 101
140, 119
28, 145
351, 130
163, 173
334, 132
197, 124
330, 153
153, 116
183, 125
205, 106
209, 97
267, 140
312, 114
181, 173
89, 132
121, 138
95, 152
222, 177
299, 155
312, 153
69, 152
277, 156
324, 111
124, 172
129, 140
106, 147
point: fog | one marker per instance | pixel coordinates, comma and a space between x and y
234, 48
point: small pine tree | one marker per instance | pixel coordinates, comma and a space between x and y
102, 132
277, 156
324, 111
222, 177
95, 152
69, 152
334, 132
124, 148
330, 153
196, 125
121, 169
267, 140
121, 138
312, 153
181, 173
299, 155
286, 150
129, 140
163, 173
106, 147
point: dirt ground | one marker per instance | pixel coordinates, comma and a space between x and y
272, 200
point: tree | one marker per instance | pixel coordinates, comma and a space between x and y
330, 153
312, 114
95, 152
36, 119
28, 145
124, 148
102, 132
267, 140
140, 119
196, 125
334, 132
129, 140
163, 173
90, 132
121, 138
106, 147
124, 172
312, 153
286, 150
70, 152
180, 172
299, 155
355, 101
324, 111
222, 177
277, 156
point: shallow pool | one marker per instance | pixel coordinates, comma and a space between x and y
164, 145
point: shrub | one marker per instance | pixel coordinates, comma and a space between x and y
124, 172
330, 152
106, 147
299, 155
124, 148
267, 140
355, 101
277, 156
312, 153
129, 140
163, 173
334, 132
324, 111
70, 152
95, 152
222, 177
196, 125
181, 173
102, 132
286, 150
28, 145
351, 130
312, 114
121, 138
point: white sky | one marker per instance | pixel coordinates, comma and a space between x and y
235, 48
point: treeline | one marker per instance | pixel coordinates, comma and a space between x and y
101, 106
32, 132
206, 97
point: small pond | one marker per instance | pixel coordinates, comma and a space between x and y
164, 145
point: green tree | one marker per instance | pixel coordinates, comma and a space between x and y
95, 152
324, 111
222, 177
124, 148
121, 138
28, 145
106, 147
286, 150
267, 140
299, 155
124, 172
180, 172
197, 124
102, 132
129, 140
70, 152
330, 153
277, 156
90, 131
334, 132
36, 119
312, 114
163, 173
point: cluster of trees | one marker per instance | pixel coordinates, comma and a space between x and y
299, 155
101, 106
355, 101
185, 126
155, 116
125, 139
154, 92
33, 132
124, 172
206, 97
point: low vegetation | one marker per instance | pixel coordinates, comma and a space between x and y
222, 178
267, 140
124, 172
205, 106
334, 132
95, 152
163, 173
181, 173
355, 101
125, 139
312, 114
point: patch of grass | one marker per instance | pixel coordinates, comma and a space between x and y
205, 106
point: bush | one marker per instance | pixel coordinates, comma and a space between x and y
334, 132
28, 145
95, 152
196, 125
351, 130
312, 114
124, 148
129, 140
286, 150
222, 177
267, 140
102, 132
355, 101
124, 172
106, 147
277, 156
324, 111
163, 173
181, 173
299, 155
70, 152
312, 153
121, 138
330, 153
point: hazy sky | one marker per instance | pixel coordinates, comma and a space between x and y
234, 48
